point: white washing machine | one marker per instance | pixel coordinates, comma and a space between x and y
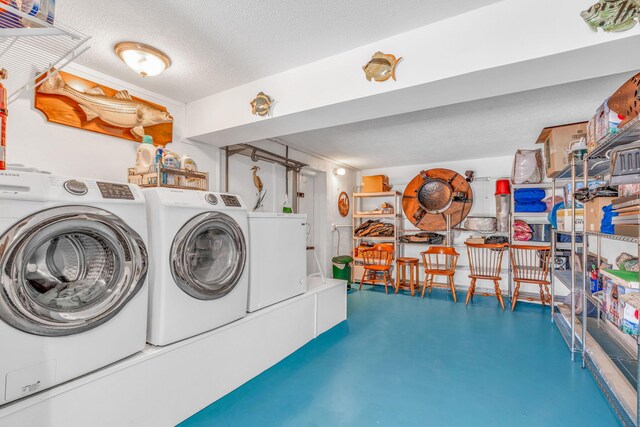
198, 251
73, 266
277, 258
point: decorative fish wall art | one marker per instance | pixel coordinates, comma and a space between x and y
73, 101
612, 15
261, 104
381, 67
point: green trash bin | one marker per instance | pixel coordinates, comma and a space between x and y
342, 268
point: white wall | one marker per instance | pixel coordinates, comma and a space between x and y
63, 150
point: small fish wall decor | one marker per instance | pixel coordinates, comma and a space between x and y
72, 101
261, 105
612, 15
381, 67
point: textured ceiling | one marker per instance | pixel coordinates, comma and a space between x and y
486, 128
219, 44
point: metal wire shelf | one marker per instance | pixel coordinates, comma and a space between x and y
598, 160
30, 46
629, 133
613, 236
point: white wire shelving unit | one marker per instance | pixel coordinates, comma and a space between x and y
610, 354
30, 46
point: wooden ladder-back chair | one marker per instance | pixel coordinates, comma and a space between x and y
377, 261
440, 261
530, 264
485, 263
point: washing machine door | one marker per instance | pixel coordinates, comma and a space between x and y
68, 269
208, 256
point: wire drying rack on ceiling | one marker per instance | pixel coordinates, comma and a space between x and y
30, 46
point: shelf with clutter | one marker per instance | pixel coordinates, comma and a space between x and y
592, 174
159, 167
376, 223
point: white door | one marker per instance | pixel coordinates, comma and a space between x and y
306, 196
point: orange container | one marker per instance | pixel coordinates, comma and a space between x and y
375, 184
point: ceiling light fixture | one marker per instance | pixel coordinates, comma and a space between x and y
339, 171
143, 59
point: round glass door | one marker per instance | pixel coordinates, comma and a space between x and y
69, 269
208, 256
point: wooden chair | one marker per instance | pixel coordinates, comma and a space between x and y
377, 261
530, 264
439, 261
485, 263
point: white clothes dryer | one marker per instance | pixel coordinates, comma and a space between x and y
73, 266
198, 251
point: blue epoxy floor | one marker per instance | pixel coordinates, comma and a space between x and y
402, 361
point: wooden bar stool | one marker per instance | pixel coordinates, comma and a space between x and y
530, 264
485, 263
377, 261
440, 261
401, 281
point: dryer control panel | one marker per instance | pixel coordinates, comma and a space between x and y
231, 201
115, 191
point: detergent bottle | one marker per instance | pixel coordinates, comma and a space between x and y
170, 160
187, 164
3, 121
286, 206
145, 154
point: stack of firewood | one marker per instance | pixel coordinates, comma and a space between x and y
374, 229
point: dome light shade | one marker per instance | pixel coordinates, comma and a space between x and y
339, 171
143, 59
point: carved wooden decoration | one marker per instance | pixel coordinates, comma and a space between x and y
261, 104
434, 194
381, 67
343, 204
612, 15
72, 101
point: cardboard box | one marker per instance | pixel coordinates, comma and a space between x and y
629, 304
375, 184
565, 220
607, 121
613, 305
626, 230
593, 212
557, 141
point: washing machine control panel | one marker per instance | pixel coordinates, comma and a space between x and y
115, 191
211, 198
75, 187
231, 201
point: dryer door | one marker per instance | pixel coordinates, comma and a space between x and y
68, 269
208, 256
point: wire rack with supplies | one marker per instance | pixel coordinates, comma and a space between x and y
159, 176
31, 45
